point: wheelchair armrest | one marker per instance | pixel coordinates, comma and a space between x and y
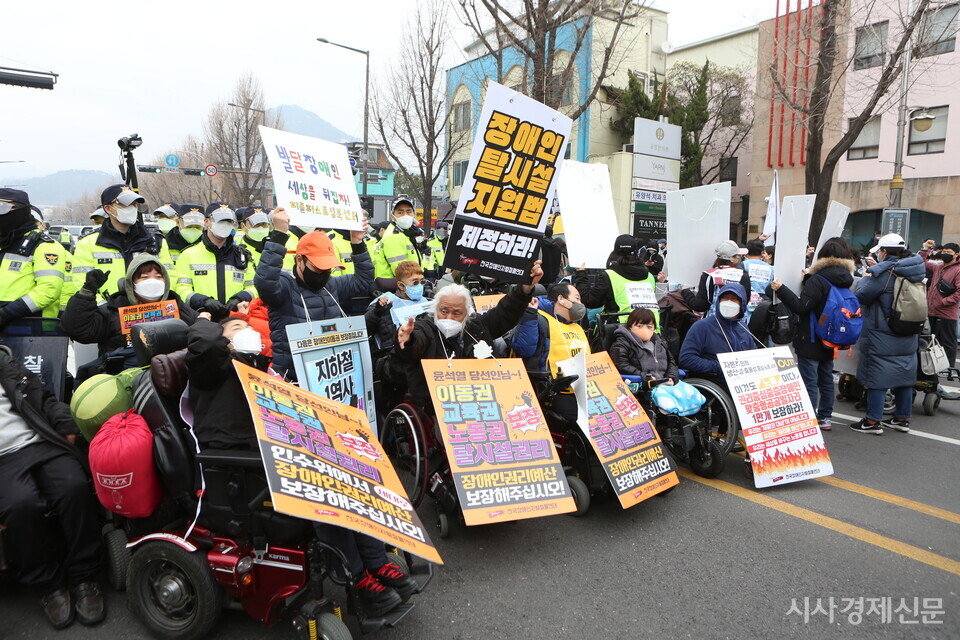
539, 375
235, 457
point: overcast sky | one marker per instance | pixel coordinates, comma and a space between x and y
155, 67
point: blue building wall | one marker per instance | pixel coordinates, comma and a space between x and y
383, 188
471, 74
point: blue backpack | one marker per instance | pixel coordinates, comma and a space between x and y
840, 322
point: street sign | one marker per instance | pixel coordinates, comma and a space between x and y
654, 168
654, 138
171, 170
896, 221
210, 170
649, 226
353, 162
650, 207
172, 160
654, 185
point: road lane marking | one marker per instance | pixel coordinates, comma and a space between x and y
913, 432
906, 503
845, 528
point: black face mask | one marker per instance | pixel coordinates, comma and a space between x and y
313, 280
946, 257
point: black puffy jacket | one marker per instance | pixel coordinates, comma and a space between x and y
810, 303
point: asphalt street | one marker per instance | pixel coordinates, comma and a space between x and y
713, 559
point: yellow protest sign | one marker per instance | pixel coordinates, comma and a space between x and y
324, 463
485, 303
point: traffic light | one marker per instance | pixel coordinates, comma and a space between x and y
193, 172
142, 168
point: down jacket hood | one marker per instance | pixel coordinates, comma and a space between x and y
138, 261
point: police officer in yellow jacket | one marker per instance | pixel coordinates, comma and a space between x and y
399, 240
216, 274
342, 245
190, 223
437, 246
31, 271
113, 245
255, 226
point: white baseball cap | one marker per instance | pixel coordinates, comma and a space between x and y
889, 240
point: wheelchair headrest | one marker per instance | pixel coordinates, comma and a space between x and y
169, 373
153, 338
386, 285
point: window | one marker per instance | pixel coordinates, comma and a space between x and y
461, 116
566, 97
933, 140
518, 88
373, 176
459, 171
871, 47
730, 111
938, 31
373, 155
867, 144
728, 170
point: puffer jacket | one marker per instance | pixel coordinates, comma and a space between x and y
714, 335
285, 298
809, 305
632, 357
887, 361
938, 305
595, 288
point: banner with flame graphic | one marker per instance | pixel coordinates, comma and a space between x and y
777, 419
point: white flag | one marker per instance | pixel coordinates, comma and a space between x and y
773, 211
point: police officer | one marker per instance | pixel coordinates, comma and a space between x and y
255, 227
166, 215
216, 274
98, 216
398, 242
188, 229
68, 289
111, 248
31, 271
342, 245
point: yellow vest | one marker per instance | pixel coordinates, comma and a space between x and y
566, 341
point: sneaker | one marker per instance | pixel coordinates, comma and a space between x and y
375, 598
865, 426
89, 606
825, 425
390, 575
58, 608
897, 424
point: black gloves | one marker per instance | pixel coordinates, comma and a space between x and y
216, 308
95, 281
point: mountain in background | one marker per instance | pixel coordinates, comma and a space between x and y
307, 123
64, 187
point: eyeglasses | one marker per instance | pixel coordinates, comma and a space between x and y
413, 283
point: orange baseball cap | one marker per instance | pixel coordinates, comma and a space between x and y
317, 247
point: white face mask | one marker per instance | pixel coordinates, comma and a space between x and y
126, 215
166, 225
729, 309
448, 327
222, 229
247, 341
306, 230
5, 207
405, 222
150, 289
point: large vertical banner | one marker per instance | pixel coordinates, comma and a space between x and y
313, 180
332, 359
506, 193
589, 219
777, 420
700, 218
501, 453
323, 464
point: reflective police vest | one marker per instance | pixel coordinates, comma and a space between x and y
112, 251
397, 247
70, 286
634, 294
344, 250
219, 274
566, 341
31, 276
437, 252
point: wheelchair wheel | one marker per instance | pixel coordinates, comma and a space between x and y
328, 627
708, 463
443, 525
724, 424
931, 402
173, 591
403, 440
118, 558
397, 559
581, 496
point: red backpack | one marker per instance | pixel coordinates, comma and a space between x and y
121, 462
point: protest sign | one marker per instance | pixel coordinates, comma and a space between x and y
624, 439
585, 197
323, 464
332, 359
833, 226
504, 202
147, 312
699, 218
401, 313
790, 258
312, 180
777, 419
501, 454
485, 303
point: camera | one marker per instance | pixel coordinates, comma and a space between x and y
130, 142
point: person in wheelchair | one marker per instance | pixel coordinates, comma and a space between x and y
42, 471
721, 332
86, 321
222, 421
550, 333
638, 350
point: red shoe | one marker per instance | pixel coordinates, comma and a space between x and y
375, 598
393, 576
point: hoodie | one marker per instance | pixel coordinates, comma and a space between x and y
595, 289
809, 305
714, 335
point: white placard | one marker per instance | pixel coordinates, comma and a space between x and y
654, 168
313, 180
834, 224
791, 254
589, 220
655, 138
401, 314
698, 219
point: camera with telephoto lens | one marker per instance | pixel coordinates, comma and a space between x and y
130, 142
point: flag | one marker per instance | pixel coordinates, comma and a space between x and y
773, 211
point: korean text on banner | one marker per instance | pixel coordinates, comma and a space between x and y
700, 218
147, 312
585, 197
313, 180
777, 419
332, 359
501, 454
324, 464
505, 199
623, 437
